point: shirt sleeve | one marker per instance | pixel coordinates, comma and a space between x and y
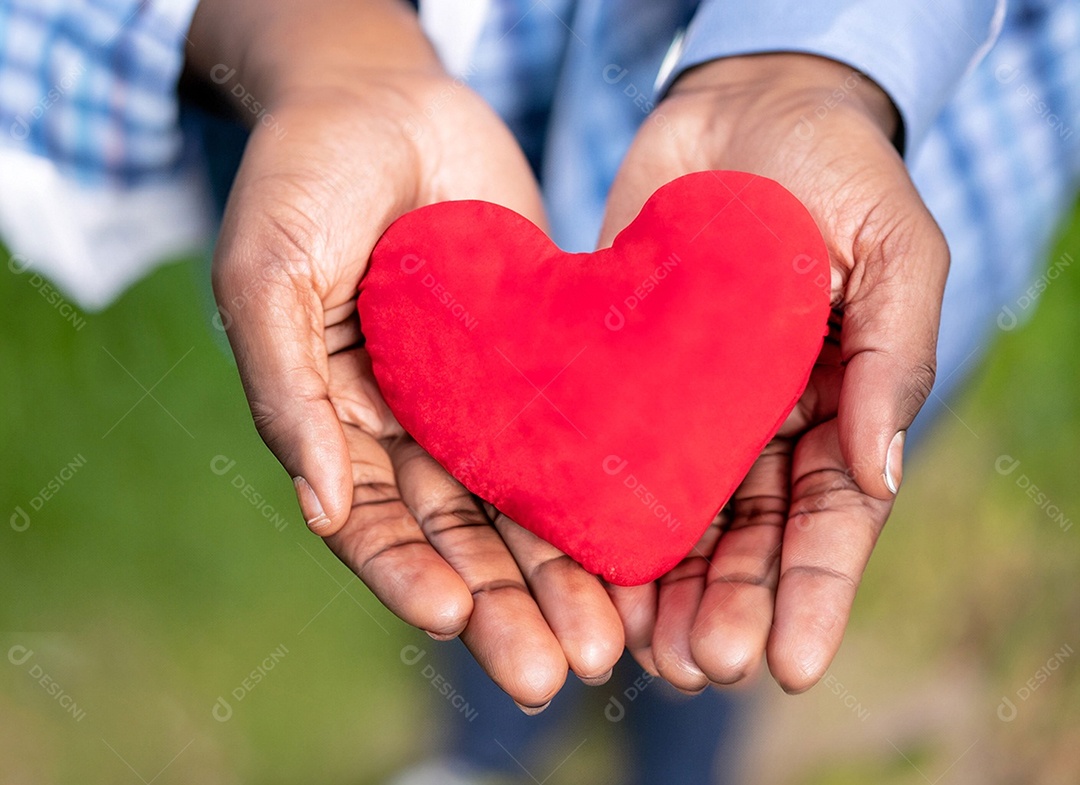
916, 51
98, 184
92, 86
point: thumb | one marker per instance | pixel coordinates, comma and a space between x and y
889, 345
274, 319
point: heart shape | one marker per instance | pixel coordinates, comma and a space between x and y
609, 402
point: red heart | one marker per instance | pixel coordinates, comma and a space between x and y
610, 402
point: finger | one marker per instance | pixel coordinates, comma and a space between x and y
573, 602
733, 622
274, 319
680, 593
889, 341
821, 398
636, 606
356, 397
830, 533
342, 328
382, 543
506, 633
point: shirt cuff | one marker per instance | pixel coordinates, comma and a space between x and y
916, 52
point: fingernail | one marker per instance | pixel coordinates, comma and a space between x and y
596, 681
310, 506
532, 710
441, 637
894, 462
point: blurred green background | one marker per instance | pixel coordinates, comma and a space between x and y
169, 562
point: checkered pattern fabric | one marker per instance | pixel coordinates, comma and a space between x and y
91, 84
995, 149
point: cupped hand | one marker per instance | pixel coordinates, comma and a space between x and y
777, 572
352, 146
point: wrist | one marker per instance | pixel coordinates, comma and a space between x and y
287, 51
792, 83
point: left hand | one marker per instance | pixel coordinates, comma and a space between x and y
778, 574
367, 126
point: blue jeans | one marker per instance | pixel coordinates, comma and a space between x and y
668, 737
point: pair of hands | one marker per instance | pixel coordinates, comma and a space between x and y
368, 137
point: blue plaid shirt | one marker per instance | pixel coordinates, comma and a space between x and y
91, 85
992, 129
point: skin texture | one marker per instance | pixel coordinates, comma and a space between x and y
778, 573
374, 128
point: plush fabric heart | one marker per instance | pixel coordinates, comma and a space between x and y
610, 402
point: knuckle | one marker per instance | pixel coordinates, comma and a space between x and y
919, 382
265, 415
759, 510
273, 415
549, 564
274, 243
293, 236
377, 476
441, 522
815, 572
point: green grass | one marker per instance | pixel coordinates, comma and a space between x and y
148, 586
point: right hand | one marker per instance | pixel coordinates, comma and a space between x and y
358, 140
781, 578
